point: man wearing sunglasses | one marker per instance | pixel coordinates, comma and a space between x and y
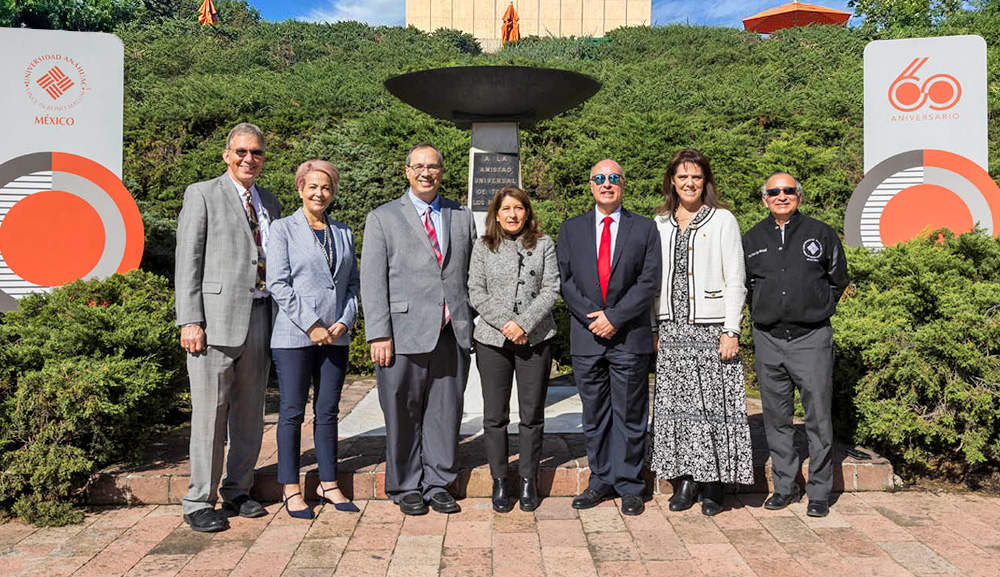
609, 264
225, 319
796, 273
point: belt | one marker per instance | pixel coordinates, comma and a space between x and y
788, 331
261, 301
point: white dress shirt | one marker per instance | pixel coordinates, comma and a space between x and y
616, 217
263, 221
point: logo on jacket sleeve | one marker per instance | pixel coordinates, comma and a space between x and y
812, 249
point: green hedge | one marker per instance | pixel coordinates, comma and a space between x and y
87, 374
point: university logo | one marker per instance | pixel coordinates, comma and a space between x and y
55, 82
909, 92
813, 249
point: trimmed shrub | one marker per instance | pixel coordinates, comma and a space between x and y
87, 373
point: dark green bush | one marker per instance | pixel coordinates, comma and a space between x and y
87, 373
917, 376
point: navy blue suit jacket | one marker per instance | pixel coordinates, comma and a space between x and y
635, 281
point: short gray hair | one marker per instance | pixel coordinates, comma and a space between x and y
425, 145
246, 128
798, 187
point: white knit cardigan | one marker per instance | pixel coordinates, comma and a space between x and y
716, 270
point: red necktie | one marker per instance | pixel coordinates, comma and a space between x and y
604, 258
432, 235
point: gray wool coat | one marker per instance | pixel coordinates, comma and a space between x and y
514, 279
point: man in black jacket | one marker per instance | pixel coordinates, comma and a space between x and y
796, 273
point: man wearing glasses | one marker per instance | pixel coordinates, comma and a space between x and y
225, 319
796, 273
414, 290
609, 264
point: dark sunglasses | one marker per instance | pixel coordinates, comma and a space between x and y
241, 152
599, 179
788, 190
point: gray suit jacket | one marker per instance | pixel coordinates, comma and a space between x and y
512, 278
403, 289
216, 260
302, 285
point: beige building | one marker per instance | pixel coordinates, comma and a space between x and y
482, 18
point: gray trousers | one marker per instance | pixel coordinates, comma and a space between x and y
227, 400
782, 366
421, 397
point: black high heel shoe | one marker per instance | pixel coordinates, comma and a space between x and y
529, 494
501, 496
712, 495
306, 513
685, 495
346, 507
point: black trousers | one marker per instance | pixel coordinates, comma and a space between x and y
497, 367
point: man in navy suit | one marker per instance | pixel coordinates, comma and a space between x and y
609, 262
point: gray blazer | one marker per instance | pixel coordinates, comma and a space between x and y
403, 289
514, 276
216, 260
301, 283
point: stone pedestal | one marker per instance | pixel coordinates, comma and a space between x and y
494, 162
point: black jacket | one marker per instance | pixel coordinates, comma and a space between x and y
793, 286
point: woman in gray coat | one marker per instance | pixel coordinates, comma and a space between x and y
513, 284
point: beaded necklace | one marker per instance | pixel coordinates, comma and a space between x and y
326, 245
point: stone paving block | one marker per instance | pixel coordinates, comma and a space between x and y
559, 482
198, 573
978, 533
382, 512
240, 529
612, 546
473, 509
219, 555
736, 516
696, 528
369, 563
685, 568
620, 569
270, 564
877, 567
755, 543
155, 565
789, 530
561, 533
178, 487
516, 552
556, 508
318, 553
878, 528
819, 559
55, 567
515, 521
182, 541
850, 542
167, 511
374, 536
771, 567
467, 562
754, 503
917, 557
418, 549
462, 534
850, 504
307, 572
117, 559
719, 560
568, 562
14, 531
280, 538
425, 525
663, 545
90, 541
903, 516
151, 529
832, 521
601, 519
403, 570
950, 545
652, 519
148, 489
47, 535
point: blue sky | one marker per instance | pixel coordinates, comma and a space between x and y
727, 13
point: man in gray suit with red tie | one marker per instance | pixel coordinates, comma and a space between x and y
225, 319
414, 291
609, 263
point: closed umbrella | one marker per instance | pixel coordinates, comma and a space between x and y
795, 14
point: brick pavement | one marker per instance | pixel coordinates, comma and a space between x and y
891, 534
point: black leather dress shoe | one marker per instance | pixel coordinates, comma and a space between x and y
780, 500
589, 498
443, 502
244, 506
632, 505
685, 495
413, 504
529, 494
206, 521
712, 495
818, 509
501, 496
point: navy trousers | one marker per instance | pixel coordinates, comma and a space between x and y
323, 367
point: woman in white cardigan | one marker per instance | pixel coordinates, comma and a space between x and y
700, 434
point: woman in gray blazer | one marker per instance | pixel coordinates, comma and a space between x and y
312, 274
513, 284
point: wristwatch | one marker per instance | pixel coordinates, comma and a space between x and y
733, 334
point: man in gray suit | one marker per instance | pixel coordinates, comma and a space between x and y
414, 290
225, 316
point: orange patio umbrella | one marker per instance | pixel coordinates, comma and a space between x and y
510, 30
795, 14
207, 14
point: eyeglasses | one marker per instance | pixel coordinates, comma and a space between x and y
430, 168
241, 152
599, 179
788, 190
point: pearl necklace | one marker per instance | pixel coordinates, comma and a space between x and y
326, 245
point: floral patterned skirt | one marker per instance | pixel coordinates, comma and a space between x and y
699, 425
